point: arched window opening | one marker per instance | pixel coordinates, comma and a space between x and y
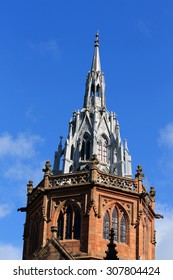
115, 223
105, 144
97, 91
103, 149
77, 224
69, 223
100, 151
69, 214
92, 90
123, 229
118, 222
106, 226
85, 151
72, 152
60, 225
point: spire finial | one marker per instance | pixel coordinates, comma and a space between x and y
96, 42
96, 67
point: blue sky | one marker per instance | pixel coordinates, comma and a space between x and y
45, 53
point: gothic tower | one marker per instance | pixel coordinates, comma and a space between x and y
70, 213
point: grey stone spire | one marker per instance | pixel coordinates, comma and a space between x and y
95, 84
96, 66
94, 130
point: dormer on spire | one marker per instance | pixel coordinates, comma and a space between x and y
95, 84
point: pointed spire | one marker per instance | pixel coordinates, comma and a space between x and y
96, 66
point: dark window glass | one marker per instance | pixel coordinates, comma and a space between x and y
68, 234
106, 226
60, 226
77, 224
123, 230
88, 149
83, 150
115, 223
72, 152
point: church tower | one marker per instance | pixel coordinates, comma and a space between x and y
71, 212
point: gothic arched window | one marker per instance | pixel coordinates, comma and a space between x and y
123, 229
60, 225
106, 226
118, 223
103, 149
115, 223
85, 151
69, 223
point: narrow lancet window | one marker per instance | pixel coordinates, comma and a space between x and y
72, 152
115, 223
69, 216
77, 224
106, 226
60, 225
103, 149
123, 229
85, 151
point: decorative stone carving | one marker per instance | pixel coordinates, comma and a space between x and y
30, 187
47, 170
138, 219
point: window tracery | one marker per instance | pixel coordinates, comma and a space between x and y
118, 221
106, 226
103, 149
86, 144
69, 223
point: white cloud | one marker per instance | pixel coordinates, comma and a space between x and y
166, 136
21, 170
23, 146
10, 252
5, 210
164, 229
50, 46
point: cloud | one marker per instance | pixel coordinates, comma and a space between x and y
43, 47
166, 136
5, 209
165, 143
164, 231
22, 171
10, 252
23, 146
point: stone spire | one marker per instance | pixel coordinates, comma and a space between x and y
94, 130
96, 67
95, 84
